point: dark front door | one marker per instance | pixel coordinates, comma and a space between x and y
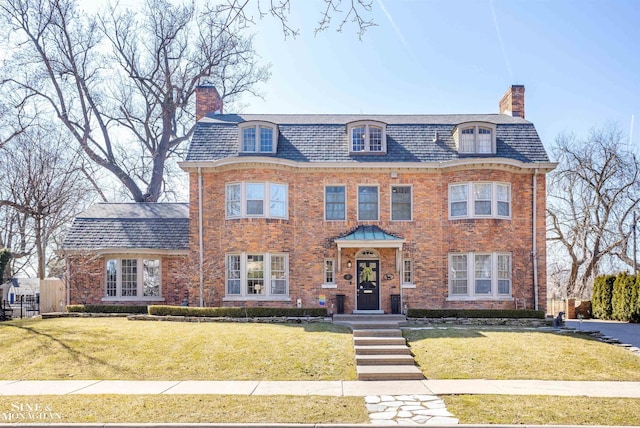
368, 285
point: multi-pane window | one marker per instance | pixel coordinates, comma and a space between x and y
479, 200
367, 138
278, 274
258, 138
482, 199
329, 271
266, 140
476, 139
257, 275
129, 277
133, 279
151, 277
256, 200
504, 274
335, 202
407, 271
112, 278
233, 274
458, 274
249, 139
482, 266
489, 274
458, 200
400, 202
367, 203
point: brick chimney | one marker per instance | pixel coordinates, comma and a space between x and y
207, 101
512, 102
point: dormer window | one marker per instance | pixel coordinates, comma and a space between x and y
367, 137
258, 137
475, 138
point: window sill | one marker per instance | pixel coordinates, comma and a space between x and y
256, 298
407, 285
133, 299
479, 218
468, 298
329, 285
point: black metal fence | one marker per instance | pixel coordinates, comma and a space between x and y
21, 307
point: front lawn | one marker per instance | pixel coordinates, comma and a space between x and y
118, 349
494, 353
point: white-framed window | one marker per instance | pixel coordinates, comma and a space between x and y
335, 203
368, 207
258, 137
401, 203
128, 278
479, 200
407, 272
475, 138
257, 275
256, 200
479, 275
367, 137
329, 273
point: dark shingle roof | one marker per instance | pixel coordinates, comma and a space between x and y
322, 138
157, 226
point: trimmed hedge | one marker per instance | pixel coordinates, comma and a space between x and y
622, 298
601, 297
108, 309
234, 312
474, 313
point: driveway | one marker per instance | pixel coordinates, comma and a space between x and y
624, 331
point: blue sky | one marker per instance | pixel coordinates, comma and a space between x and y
579, 62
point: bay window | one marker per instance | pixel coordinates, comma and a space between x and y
480, 200
132, 279
257, 276
479, 275
256, 200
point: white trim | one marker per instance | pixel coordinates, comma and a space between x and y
266, 200
266, 277
476, 125
473, 162
332, 285
382, 243
139, 278
470, 201
367, 124
471, 277
125, 251
257, 124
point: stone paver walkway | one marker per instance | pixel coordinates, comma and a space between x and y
408, 410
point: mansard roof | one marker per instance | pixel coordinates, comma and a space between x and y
323, 138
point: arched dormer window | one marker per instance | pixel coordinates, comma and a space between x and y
367, 137
475, 138
258, 137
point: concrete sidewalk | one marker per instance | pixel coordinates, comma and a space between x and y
327, 388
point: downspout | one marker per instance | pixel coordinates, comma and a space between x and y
67, 279
200, 238
534, 252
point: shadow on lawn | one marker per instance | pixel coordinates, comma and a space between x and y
318, 327
79, 357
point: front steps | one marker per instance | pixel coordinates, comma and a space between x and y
381, 350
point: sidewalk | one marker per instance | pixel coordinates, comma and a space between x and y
327, 388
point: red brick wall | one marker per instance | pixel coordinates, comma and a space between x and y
87, 281
308, 239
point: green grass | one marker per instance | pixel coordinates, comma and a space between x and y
191, 409
543, 410
118, 349
490, 353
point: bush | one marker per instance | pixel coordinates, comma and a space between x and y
635, 302
602, 294
233, 312
108, 309
474, 313
622, 296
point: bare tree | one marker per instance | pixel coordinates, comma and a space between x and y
591, 199
41, 190
122, 82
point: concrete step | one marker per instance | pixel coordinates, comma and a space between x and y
364, 341
382, 350
378, 332
389, 373
384, 360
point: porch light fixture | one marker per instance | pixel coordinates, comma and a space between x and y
349, 264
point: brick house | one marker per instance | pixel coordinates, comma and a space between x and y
375, 212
